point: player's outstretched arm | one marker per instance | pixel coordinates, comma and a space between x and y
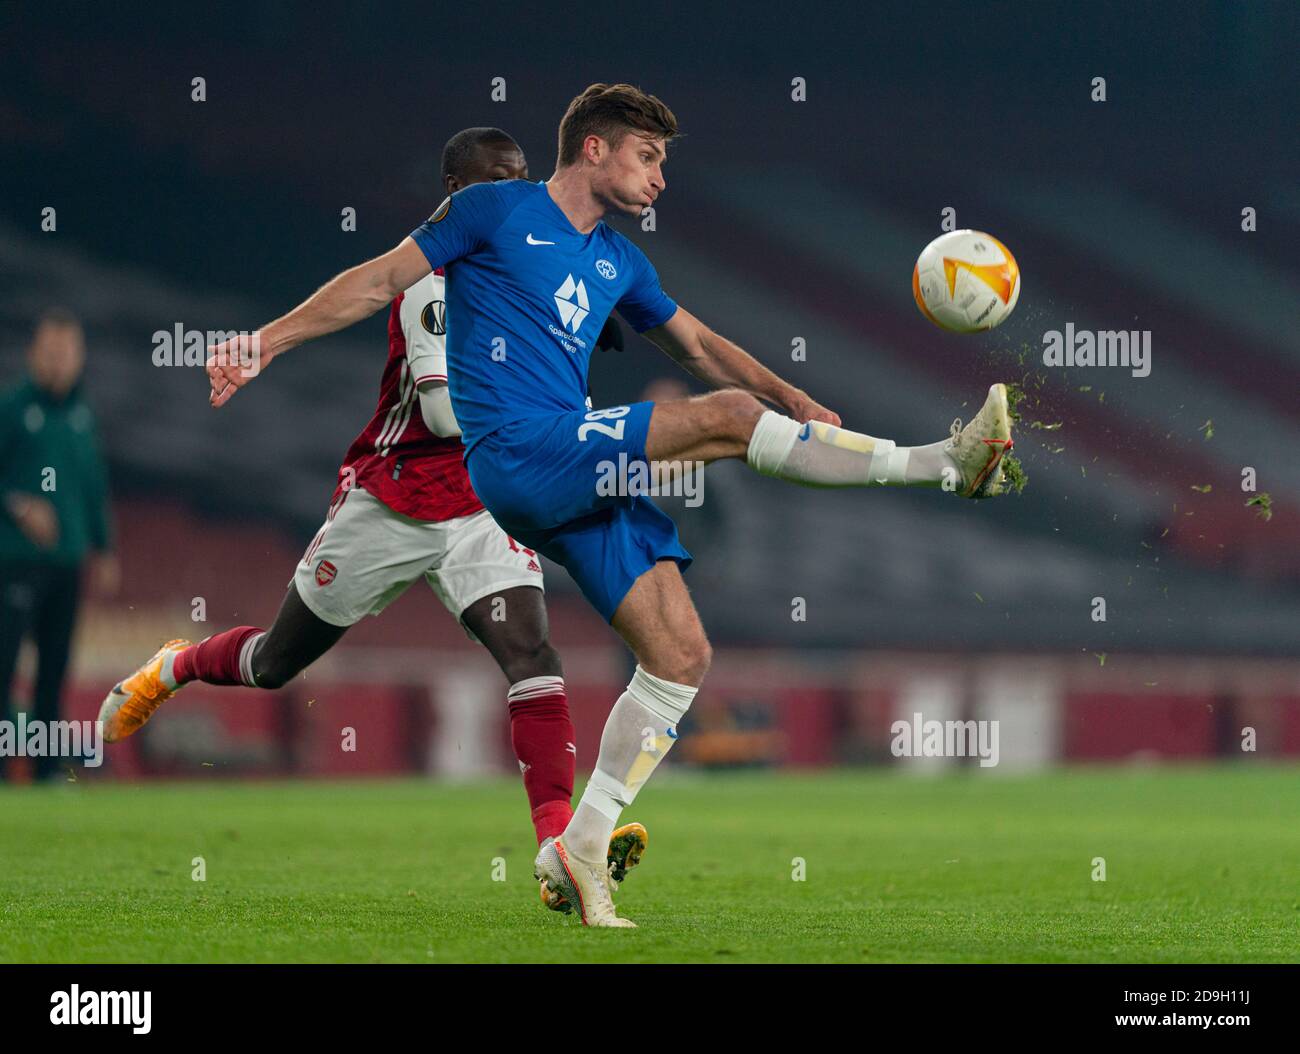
719, 363
809, 446
355, 294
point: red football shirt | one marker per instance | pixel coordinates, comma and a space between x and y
396, 458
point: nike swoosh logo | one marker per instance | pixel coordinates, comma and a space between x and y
805, 432
533, 241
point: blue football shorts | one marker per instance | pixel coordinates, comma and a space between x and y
546, 481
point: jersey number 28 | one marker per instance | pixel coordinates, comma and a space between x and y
592, 423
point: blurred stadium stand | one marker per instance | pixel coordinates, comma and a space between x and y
778, 223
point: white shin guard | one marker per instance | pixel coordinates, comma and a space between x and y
641, 729
820, 455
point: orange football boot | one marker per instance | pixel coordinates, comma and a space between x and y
626, 845
132, 702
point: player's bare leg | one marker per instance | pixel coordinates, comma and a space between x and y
660, 624
733, 423
244, 655
512, 625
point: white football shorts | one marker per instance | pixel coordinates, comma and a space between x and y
366, 555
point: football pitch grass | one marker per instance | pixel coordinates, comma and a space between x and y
1201, 864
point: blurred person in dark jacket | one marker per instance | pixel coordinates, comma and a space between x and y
53, 515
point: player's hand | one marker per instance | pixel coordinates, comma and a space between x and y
36, 518
803, 409
233, 363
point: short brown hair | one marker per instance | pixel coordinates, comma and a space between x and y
611, 111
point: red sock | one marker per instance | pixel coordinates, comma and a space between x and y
543, 738
218, 660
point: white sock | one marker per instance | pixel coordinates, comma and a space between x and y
246, 659
640, 730
166, 675
821, 455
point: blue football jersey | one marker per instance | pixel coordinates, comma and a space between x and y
527, 295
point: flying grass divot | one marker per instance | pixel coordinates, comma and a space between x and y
1263, 505
1012, 470
1014, 473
